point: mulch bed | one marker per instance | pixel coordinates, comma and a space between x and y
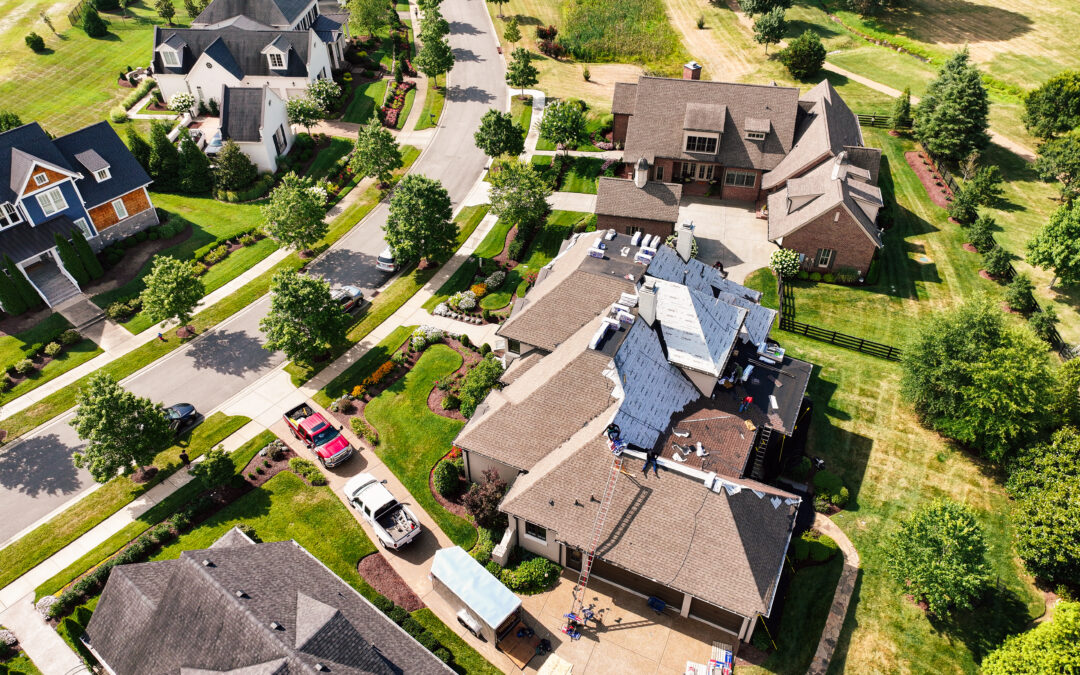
257, 462
986, 275
40, 360
144, 474
133, 261
504, 256
377, 572
10, 325
970, 248
935, 188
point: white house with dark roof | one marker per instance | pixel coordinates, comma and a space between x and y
86, 180
256, 120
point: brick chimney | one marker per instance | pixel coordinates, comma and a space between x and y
691, 71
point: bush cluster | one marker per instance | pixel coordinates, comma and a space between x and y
534, 574
425, 336
51, 345
122, 310
307, 470
828, 486
137, 93
447, 478
257, 190
477, 383
495, 280
485, 544
463, 301
364, 430
818, 548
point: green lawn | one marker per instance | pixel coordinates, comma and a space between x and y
73, 84
558, 228
47, 539
363, 366
466, 659
412, 438
502, 297
324, 161
433, 106
72, 627
24, 345
594, 122
157, 513
20, 664
522, 113
403, 117
366, 98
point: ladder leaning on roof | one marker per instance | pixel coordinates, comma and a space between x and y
617, 446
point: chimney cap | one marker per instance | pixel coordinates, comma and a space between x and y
642, 163
694, 65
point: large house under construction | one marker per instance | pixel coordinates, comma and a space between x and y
617, 332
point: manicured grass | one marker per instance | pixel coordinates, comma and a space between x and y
154, 515
582, 175
635, 31
891, 465
324, 161
806, 607
73, 83
72, 627
366, 98
24, 345
286, 507
20, 664
412, 438
466, 659
521, 111
47, 539
403, 117
502, 297
363, 366
558, 228
495, 241
72, 356
433, 106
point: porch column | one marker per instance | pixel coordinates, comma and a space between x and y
685, 611
742, 631
750, 628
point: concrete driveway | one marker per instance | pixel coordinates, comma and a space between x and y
728, 231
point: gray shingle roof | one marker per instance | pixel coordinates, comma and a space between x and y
726, 549
91, 160
813, 194
242, 113
183, 616
25, 240
18, 147
274, 13
704, 117
621, 197
327, 28
126, 174
653, 130
239, 50
624, 98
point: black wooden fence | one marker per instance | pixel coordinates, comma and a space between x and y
946, 176
862, 345
879, 120
76, 14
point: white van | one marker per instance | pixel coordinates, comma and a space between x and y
385, 261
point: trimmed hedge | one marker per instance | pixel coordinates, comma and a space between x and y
136, 95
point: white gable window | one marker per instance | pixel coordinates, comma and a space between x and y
277, 60
102, 175
9, 215
755, 135
85, 227
170, 58
51, 201
40, 178
121, 210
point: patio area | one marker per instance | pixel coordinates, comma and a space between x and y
728, 231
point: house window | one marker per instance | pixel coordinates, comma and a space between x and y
687, 170
513, 346
170, 58
279, 139
52, 201
85, 227
121, 210
755, 135
701, 144
40, 178
825, 257
659, 173
276, 61
102, 174
9, 215
536, 532
740, 178
705, 171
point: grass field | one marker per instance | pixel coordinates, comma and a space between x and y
630, 31
434, 101
73, 84
366, 98
20, 664
324, 161
412, 438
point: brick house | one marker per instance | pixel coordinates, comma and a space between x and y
745, 142
86, 180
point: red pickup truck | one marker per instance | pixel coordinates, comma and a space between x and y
318, 434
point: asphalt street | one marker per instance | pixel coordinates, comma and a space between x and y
36, 474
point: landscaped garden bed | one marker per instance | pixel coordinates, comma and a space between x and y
382, 577
24, 356
930, 177
398, 103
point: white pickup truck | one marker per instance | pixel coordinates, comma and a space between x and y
393, 522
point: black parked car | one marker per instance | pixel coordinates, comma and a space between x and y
182, 417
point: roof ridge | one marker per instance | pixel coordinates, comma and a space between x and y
778, 87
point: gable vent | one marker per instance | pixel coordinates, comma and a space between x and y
319, 666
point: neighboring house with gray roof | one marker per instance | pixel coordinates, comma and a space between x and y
86, 180
242, 607
743, 142
666, 350
256, 120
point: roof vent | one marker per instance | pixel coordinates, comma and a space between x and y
275, 625
241, 594
319, 666
206, 563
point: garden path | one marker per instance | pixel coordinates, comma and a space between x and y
841, 598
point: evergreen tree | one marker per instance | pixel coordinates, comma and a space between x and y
10, 300
901, 112
70, 259
164, 159
93, 24
86, 254
952, 119
804, 56
8, 121
195, 177
26, 290
234, 170
139, 148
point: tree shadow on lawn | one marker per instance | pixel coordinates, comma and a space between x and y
824, 31
993, 24
846, 453
524, 20
999, 614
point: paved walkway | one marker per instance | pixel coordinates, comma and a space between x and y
841, 598
132, 115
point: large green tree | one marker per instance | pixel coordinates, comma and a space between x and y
804, 56
235, 170
294, 213
122, 431
519, 193
86, 254
952, 118
30, 297
499, 135
520, 72
9, 120
419, 224
1059, 160
1054, 107
564, 124
195, 175
93, 24
938, 554
376, 153
1050, 648
165, 9
173, 289
977, 379
769, 28
215, 469
304, 321
433, 26
70, 260
139, 148
435, 58
1056, 246
871, 7
164, 159
499, 4
367, 16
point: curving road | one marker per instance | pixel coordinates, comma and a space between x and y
36, 474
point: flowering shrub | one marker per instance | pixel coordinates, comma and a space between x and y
479, 290
379, 374
495, 280
358, 391
181, 102
424, 336
530, 277
396, 102
785, 262
319, 191
463, 301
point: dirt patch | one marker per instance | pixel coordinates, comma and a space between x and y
132, 263
382, 577
935, 187
10, 325
986, 275
970, 248
144, 474
749, 655
921, 604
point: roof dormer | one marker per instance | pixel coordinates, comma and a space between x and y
95, 164
277, 53
756, 128
172, 51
